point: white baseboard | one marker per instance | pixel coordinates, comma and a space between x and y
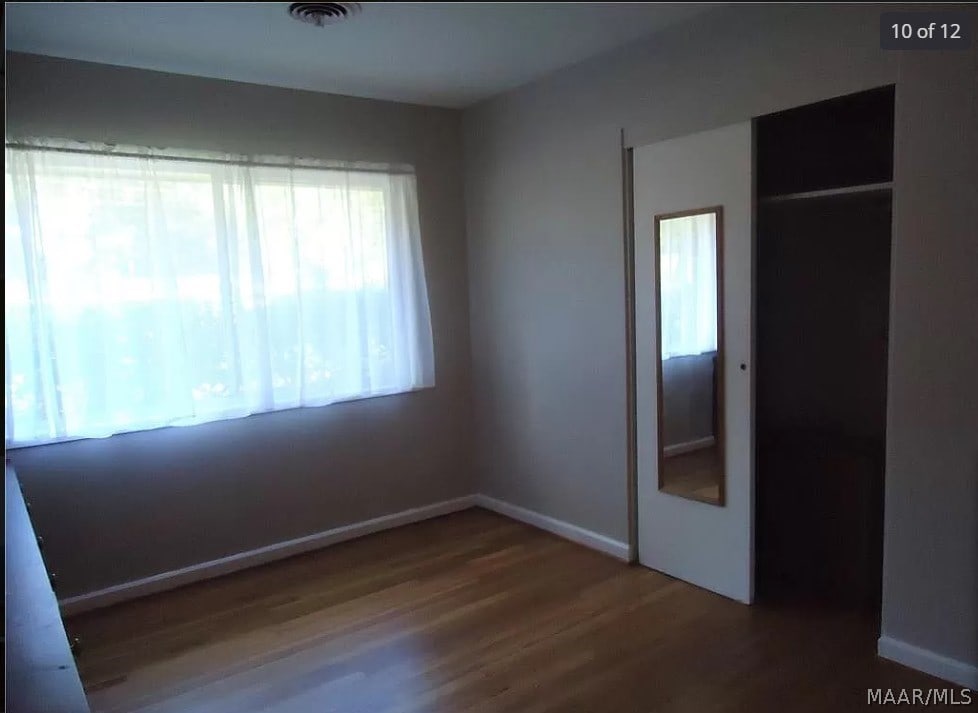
588, 538
252, 558
233, 563
687, 447
935, 664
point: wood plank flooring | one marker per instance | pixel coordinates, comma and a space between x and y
695, 474
471, 613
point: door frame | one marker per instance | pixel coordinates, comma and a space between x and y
631, 369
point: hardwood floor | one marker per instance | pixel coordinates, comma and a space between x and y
471, 612
695, 474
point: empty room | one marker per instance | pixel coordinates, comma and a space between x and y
490, 357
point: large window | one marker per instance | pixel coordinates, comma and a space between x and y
146, 289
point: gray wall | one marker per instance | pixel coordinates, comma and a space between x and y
135, 505
687, 398
547, 292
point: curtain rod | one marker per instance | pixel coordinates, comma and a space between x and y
399, 169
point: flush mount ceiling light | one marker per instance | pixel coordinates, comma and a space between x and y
321, 14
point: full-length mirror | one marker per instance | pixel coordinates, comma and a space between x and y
689, 250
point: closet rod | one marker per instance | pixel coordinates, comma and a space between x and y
846, 190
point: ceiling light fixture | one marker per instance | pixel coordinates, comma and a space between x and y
321, 14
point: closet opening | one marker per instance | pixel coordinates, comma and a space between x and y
823, 214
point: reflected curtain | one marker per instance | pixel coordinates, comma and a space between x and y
688, 285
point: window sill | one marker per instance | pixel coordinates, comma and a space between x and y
217, 419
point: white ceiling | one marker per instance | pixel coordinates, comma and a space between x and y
442, 54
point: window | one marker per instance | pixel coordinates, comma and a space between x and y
146, 289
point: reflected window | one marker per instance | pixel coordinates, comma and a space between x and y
689, 295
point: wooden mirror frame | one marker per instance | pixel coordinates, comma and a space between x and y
717, 211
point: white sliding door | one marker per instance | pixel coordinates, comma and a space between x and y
683, 189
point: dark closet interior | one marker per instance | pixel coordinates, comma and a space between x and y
823, 175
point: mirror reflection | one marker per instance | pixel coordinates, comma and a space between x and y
688, 249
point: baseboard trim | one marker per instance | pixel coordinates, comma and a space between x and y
935, 664
574, 533
263, 555
252, 558
688, 446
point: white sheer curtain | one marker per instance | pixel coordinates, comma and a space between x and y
688, 284
145, 288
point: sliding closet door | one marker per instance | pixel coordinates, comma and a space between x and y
693, 267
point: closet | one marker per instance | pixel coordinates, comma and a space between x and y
823, 213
